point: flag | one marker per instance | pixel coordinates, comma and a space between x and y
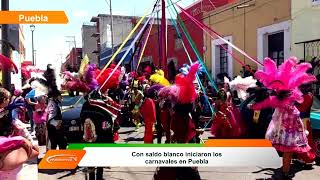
83, 65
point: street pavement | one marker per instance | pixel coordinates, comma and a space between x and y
129, 135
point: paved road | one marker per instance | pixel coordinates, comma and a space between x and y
128, 135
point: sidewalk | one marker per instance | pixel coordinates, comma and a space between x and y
30, 168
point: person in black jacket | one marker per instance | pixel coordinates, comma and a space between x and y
257, 121
54, 122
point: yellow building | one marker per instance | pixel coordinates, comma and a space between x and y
306, 28
259, 27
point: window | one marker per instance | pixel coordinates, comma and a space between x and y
276, 47
223, 59
178, 44
222, 62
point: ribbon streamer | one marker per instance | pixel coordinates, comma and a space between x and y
145, 44
203, 26
194, 47
128, 50
197, 76
126, 40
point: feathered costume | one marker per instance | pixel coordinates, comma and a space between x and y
94, 131
50, 76
113, 81
182, 95
285, 131
241, 85
7, 63
158, 78
227, 122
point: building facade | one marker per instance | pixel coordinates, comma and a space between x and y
89, 43
73, 60
305, 29
261, 28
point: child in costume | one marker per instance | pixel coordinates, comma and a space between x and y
40, 118
148, 112
286, 131
136, 101
225, 124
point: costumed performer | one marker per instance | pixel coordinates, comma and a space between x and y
158, 78
54, 121
182, 96
286, 131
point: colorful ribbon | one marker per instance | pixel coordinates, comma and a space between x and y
193, 46
126, 40
128, 50
144, 45
204, 27
197, 76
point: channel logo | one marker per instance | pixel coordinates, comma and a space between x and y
61, 159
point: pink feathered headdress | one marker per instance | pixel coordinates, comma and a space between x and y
288, 77
183, 91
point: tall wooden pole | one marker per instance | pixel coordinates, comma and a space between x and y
6, 72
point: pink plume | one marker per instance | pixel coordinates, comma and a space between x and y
90, 76
269, 66
193, 71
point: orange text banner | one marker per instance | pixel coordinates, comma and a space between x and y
33, 17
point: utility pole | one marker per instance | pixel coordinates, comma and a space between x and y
75, 54
111, 26
32, 28
6, 71
35, 57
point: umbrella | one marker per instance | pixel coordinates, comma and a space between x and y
35, 93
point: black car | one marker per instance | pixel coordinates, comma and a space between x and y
71, 109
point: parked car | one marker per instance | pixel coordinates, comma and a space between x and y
71, 123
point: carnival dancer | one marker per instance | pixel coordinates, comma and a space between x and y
182, 95
136, 101
226, 122
305, 110
257, 121
54, 121
99, 113
148, 112
286, 131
